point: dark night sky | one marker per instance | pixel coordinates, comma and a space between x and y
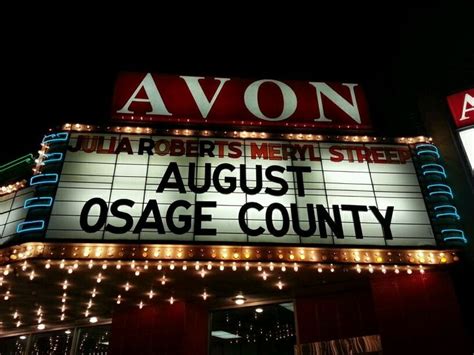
64, 70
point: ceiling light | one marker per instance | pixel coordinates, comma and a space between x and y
239, 299
224, 335
93, 320
23, 337
259, 310
41, 326
68, 331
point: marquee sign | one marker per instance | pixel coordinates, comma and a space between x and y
462, 108
147, 97
116, 187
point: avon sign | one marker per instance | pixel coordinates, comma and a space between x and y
239, 102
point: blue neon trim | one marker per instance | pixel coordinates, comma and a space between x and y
38, 202
426, 145
44, 179
461, 237
448, 214
30, 226
453, 213
52, 157
443, 174
428, 152
442, 192
56, 137
440, 172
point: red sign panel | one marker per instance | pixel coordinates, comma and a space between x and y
233, 103
462, 108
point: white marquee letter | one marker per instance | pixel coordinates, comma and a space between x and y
154, 98
348, 107
468, 99
199, 96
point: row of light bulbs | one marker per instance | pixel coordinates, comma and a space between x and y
244, 134
201, 266
117, 252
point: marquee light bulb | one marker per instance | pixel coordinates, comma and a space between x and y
127, 286
234, 266
239, 299
119, 299
247, 266
209, 265
185, 266
171, 300
204, 295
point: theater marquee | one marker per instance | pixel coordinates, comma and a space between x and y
180, 189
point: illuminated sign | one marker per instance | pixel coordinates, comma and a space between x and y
467, 141
147, 97
215, 190
462, 108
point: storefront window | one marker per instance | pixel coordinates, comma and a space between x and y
88, 340
52, 343
94, 340
13, 345
268, 329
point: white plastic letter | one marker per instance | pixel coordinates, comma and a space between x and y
348, 107
154, 98
203, 104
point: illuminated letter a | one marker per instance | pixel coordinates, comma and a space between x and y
153, 98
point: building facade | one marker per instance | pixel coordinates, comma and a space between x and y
229, 216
